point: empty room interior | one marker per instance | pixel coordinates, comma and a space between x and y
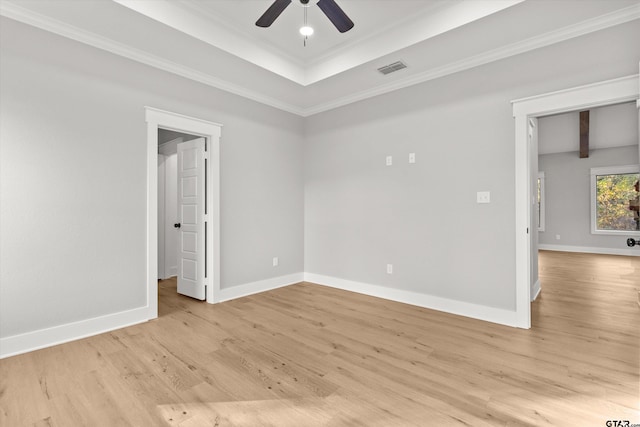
319, 213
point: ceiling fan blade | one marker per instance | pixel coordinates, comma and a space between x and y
336, 15
272, 13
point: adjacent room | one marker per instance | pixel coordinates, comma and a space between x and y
319, 212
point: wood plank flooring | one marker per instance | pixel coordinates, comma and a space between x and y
308, 355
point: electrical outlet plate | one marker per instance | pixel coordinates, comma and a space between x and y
275, 261
484, 197
412, 157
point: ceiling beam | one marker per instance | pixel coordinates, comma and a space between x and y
584, 134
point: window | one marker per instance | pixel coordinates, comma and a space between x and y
614, 200
540, 201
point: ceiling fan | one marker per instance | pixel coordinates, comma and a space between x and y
328, 7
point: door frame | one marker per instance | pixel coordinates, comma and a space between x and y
165, 150
162, 274
160, 119
609, 92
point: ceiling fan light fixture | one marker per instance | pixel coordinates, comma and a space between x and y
306, 31
329, 7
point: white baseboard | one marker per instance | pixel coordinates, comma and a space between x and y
173, 271
42, 338
475, 311
591, 250
23, 343
48, 337
246, 289
536, 290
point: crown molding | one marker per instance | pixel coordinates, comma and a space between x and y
17, 13
582, 28
429, 23
189, 17
195, 7
196, 23
621, 16
374, 37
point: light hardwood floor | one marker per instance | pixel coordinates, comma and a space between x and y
308, 355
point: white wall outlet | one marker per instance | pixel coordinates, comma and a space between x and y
412, 157
389, 268
484, 196
557, 237
275, 261
389, 160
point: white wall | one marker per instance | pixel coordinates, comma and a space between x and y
613, 141
170, 248
568, 196
610, 126
73, 171
423, 218
73, 180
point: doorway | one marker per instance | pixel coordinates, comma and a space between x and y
167, 121
609, 92
168, 141
567, 195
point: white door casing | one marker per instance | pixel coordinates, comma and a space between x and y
156, 119
533, 217
191, 217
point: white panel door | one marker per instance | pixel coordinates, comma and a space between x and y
191, 217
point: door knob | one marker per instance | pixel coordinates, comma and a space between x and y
176, 225
632, 242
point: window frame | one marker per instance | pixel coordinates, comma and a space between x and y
608, 170
541, 202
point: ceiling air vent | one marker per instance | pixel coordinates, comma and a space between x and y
391, 68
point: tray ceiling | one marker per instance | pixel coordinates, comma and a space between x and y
216, 42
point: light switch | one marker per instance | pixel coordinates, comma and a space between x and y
389, 160
412, 157
484, 196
